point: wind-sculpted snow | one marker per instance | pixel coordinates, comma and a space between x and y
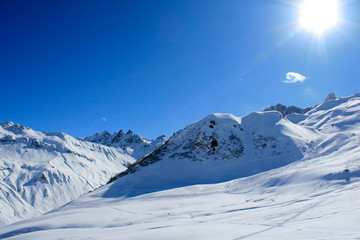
130, 143
42, 171
266, 178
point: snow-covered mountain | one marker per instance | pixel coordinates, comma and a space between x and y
131, 143
262, 176
40, 171
218, 148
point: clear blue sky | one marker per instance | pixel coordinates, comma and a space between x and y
156, 66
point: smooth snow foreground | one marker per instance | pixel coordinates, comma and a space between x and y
304, 183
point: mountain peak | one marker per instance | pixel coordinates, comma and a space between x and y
161, 137
103, 133
131, 143
218, 118
7, 124
330, 97
14, 127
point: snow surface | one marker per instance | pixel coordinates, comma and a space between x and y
266, 178
42, 171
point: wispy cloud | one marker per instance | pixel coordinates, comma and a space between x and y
293, 77
100, 120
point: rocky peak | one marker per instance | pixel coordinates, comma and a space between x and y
284, 110
161, 137
117, 136
330, 97
132, 143
6, 124
14, 127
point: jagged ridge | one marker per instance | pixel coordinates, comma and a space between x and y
132, 144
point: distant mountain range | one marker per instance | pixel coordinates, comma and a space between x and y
132, 144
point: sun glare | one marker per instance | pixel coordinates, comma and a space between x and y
319, 15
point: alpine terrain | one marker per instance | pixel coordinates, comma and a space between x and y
268, 175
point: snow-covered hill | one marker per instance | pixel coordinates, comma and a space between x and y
262, 176
42, 171
132, 144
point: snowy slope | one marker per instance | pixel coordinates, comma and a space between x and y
130, 143
310, 190
42, 171
279, 204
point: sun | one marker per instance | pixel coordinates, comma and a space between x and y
318, 15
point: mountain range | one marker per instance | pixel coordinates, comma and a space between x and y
130, 143
275, 174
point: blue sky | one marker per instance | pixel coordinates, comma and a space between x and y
156, 66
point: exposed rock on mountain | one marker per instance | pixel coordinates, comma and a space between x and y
330, 97
130, 143
284, 110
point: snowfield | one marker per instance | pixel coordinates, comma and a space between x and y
262, 176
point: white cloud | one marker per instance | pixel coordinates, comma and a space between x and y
293, 77
104, 119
